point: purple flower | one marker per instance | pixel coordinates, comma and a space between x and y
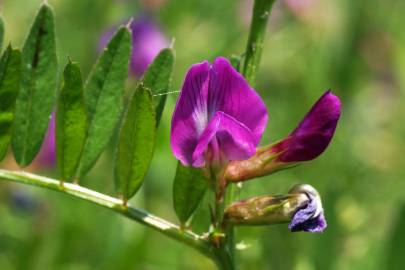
313, 134
147, 41
310, 217
218, 116
47, 155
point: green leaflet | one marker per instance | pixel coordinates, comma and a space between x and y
158, 77
136, 143
10, 67
103, 96
188, 190
1, 33
38, 88
235, 61
395, 255
70, 122
138, 131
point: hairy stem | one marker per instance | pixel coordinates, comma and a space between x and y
158, 224
225, 261
230, 231
219, 237
261, 12
258, 26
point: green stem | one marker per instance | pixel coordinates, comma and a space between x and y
225, 261
173, 231
261, 12
221, 241
230, 231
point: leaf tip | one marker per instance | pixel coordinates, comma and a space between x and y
172, 43
129, 23
45, 6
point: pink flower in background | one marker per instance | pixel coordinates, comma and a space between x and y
147, 41
300, 6
313, 12
46, 157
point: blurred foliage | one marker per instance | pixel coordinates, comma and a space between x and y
355, 48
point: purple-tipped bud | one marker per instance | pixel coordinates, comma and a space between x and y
310, 217
313, 134
306, 142
302, 208
147, 41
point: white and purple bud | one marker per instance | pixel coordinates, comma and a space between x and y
301, 207
309, 218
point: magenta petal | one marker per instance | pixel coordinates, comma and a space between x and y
231, 94
190, 115
225, 136
314, 133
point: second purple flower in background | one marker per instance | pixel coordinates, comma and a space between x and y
147, 41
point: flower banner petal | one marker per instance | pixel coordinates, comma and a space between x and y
229, 92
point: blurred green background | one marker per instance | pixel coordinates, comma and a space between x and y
356, 48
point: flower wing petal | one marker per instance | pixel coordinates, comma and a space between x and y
190, 115
224, 133
230, 93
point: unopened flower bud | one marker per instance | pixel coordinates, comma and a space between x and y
302, 207
311, 137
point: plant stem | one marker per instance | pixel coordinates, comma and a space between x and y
158, 224
258, 26
230, 231
261, 12
219, 237
225, 261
